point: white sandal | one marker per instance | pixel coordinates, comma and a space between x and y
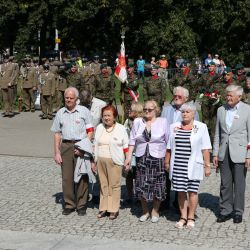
190, 223
181, 223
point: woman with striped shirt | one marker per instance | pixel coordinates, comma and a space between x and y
186, 159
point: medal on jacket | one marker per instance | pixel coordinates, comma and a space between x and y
42, 81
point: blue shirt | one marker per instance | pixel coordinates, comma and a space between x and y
72, 125
140, 64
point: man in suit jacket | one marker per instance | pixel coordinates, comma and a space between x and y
232, 153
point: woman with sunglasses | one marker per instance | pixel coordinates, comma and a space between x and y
149, 137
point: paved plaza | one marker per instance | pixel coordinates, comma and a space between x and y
30, 205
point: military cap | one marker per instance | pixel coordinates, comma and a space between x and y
46, 66
27, 60
72, 63
212, 63
227, 70
239, 66
103, 65
131, 65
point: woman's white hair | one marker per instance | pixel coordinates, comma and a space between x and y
235, 88
188, 106
183, 90
72, 89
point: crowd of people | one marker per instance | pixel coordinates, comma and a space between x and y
158, 149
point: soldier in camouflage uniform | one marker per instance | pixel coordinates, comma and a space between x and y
207, 83
132, 84
74, 78
185, 78
229, 77
105, 85
95, 66
29, 85
89, 77
47, 87
240, 76
154, 87
246, 95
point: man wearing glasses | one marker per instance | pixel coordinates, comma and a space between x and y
173, 114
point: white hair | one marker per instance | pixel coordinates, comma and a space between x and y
183, 90
235, 88
73, 89
188, 106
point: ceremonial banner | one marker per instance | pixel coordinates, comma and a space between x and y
120, 70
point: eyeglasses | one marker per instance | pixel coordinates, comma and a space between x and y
148, 110
178, 96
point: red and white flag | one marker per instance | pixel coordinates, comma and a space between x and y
134, 95
120, 70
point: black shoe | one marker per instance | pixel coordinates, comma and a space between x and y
81, 211
44, 117
237, 218
67, 211
95, 199
222, 218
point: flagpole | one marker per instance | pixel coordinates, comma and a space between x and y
122, 87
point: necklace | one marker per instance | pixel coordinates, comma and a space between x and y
110, 129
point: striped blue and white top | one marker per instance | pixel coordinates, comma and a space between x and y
180, 181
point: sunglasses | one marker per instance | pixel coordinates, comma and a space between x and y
148, 110
178, 96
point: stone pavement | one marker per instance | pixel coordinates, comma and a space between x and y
30, 205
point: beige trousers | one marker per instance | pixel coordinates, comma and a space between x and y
110, 183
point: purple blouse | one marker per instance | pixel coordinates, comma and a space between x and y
159, 137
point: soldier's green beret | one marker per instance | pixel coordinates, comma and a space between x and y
130, 65
185, 63
227, 70
212, 63
239, 66
103, 65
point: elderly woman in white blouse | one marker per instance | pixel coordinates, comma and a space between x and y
186, 159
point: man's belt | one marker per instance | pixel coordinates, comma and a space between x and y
70, 141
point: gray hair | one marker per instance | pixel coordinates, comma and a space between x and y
73, 89
188, 106
183, 90
248, 79
235, 88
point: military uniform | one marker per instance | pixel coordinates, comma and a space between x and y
75, 79
154, 89
61, 85
29, 85
7, 86
89, 78
105, 87
132, 84
47, 84
246, 96
207, 83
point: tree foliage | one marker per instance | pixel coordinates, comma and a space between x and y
177, 27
